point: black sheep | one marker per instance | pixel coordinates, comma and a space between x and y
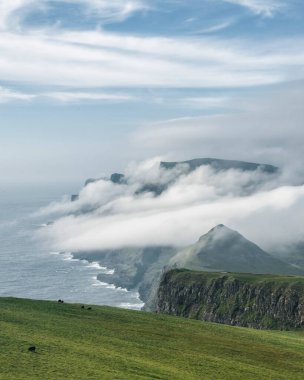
32, 349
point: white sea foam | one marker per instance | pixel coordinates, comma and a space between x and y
69, 257
100, 284
128, 305
96, 282
96, 265
111, 286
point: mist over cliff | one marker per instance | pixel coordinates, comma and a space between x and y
155, 204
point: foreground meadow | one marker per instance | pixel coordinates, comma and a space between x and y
110, 343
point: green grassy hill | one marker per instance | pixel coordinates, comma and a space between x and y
109, 343
223, 249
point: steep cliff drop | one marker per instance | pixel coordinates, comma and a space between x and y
248, 300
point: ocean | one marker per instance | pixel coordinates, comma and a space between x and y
28, 270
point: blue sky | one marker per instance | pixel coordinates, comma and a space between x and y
88, 85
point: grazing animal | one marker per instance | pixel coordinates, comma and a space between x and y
89, 308
60, 301
82, 307
32, 349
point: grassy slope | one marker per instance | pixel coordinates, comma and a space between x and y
109, 343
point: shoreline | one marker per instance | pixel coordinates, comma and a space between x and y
106, 279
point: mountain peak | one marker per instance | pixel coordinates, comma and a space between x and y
219, 232
223, 249
219, 227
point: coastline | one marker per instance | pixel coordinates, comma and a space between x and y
109, 278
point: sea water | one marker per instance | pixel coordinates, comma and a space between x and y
28, 270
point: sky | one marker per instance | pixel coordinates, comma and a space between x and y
87, 86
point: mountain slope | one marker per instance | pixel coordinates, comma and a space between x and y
223, 249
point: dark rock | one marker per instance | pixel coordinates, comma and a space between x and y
218, 164
117, 178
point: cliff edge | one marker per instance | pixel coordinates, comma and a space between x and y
248, 300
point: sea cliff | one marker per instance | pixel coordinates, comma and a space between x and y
248, 300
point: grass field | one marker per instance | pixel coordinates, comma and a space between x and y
109, 343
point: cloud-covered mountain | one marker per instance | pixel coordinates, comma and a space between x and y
154, 205
179, 168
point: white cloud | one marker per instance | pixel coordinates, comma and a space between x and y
265, 8
99, 59
74, 97
216, 28
206, 102
7, 8
12, 12
7, 95
191, 206
94, 59
112, 10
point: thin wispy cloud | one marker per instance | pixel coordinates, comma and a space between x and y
100, 59
8, 95
206, 102
91, 58
13, 12
76, 97
9, 8
112, 10
215, 28
266, 8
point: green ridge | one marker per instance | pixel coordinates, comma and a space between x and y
109, 343
188, 277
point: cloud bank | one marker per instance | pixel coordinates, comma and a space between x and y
109, 215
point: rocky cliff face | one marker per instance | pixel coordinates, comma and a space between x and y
134, 268
258, 301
